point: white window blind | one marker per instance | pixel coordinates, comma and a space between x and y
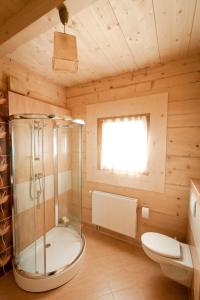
124, 144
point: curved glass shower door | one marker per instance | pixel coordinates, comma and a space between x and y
32, 165
66, 235
46, 174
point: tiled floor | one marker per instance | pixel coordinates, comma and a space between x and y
112, 270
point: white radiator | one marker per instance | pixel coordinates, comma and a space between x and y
114, 212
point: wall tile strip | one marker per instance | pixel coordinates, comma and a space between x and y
5, 190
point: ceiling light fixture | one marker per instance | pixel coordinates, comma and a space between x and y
65, 57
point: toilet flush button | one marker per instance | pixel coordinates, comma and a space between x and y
193, 204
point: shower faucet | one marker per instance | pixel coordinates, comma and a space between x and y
36, 178
39, 175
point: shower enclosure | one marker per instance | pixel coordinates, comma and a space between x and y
46, 180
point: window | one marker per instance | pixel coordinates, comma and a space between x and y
152, 110
123, 144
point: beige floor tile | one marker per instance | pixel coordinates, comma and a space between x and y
129, 294
160, 287
105, 297
112, 270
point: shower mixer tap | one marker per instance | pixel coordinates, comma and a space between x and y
39, 177
36, 179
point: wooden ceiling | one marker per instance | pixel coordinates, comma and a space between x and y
116, 36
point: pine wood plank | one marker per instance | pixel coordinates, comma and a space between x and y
178, 68
184, 107
187, 120
137, 23
34, 18
179, 170
174, 21
29, 13
181, 80
30, 83
194, 46
102, 25
183, 141
19, 104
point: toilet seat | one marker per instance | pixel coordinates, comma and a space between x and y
161, 244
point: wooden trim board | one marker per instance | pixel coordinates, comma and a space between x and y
19, 104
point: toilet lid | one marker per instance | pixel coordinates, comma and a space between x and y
161, 244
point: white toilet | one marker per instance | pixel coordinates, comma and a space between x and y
174, 257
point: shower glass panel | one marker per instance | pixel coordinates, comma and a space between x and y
46, 174
31, 152
69, 176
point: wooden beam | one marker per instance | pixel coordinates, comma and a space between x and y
32, 11
35, 18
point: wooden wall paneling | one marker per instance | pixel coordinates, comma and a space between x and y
174, 22
187, 120
177, 94
181, 80
35, 88
184, 66
186, 92
173, 202
177, 80
19, 104
169, 225
194, 45
184, 107
29, 83
179, 170
136, 19
184, 141
177, 107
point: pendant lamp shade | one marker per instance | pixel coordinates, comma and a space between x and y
65, 56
